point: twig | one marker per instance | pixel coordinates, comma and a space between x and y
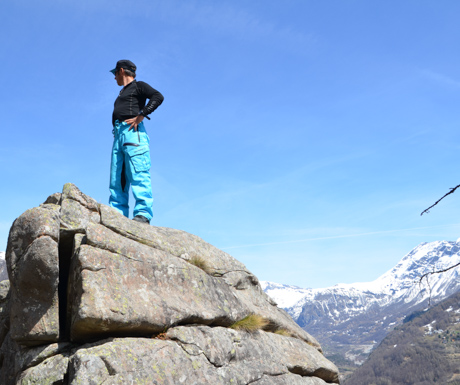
439, 271
439, 200
434, 272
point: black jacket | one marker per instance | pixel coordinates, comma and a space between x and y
131, 101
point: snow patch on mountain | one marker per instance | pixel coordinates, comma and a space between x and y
284, 295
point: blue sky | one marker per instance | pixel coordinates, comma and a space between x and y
303, 137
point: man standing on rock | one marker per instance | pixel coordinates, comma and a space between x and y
130, 153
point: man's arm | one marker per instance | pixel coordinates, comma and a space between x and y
155, 99
154, 96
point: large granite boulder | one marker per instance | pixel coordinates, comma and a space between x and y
98, 298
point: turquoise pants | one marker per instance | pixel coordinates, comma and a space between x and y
130, 167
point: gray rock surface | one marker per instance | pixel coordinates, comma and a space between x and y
188, 355
4, 309
32, 258
98, 298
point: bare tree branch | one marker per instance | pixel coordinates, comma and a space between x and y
439, 271
426, 275
439, 200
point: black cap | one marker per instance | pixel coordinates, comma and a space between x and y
126, 64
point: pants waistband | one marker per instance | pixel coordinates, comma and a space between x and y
119, 127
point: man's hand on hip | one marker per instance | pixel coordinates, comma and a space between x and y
134, 122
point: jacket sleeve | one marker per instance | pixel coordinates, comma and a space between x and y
154, 96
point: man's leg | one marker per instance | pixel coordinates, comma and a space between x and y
119, 184
138, 171
142, 191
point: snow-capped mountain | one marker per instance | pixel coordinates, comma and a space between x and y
355, 316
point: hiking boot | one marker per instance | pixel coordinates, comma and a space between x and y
141, 219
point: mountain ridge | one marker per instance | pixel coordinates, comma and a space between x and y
350, 319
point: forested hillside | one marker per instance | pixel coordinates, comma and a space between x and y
424, 350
